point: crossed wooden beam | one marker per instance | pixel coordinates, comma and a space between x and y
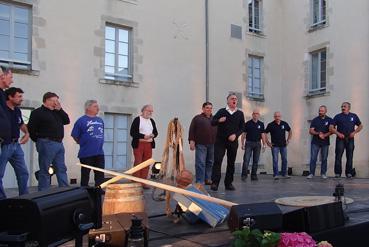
128, 175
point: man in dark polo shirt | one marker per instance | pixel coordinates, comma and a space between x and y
202, 138
46, 128
12, 151
319, 129
253, 133
230, 121
277, 130
344, 127
6, 79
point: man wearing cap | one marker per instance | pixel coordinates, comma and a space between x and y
344, 127
230, 121
46, 128
11, 150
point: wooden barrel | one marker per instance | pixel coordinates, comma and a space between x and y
123, 198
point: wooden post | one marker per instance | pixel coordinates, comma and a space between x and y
164, 186
130, 172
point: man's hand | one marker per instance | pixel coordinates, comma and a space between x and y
57, 105
192, 145
340, 135
24, 139
222, 119
321, 135
352, 134
232, 137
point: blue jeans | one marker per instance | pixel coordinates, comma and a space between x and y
14, 154
204, 160
314, 156
254, 149
51, 152
283, 152
347, 144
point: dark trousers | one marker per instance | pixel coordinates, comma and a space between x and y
347, 144
254, 149
96, 161
219, 151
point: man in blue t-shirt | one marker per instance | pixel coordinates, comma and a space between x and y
344, 127
88, 132
319, 129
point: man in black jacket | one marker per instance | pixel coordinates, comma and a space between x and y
46, 128
230, 121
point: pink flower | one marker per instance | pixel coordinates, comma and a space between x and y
297, 239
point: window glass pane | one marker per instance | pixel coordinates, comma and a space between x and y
315, 11
109, 135
121, 148
108, 148
21, 45
110, 33
123, 48
21, 56
108, 121
108, 161
4, 54
121, 162
123, 35
314, 68
4, 42
21, 30
123, 71
257, 15
4, 11
110, 46
121, 134
4, 27
250, 15
324, 9
109, 59
109, 69
121, 121
21, 15
123, 61
256, 62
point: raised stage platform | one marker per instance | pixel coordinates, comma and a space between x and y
164, 232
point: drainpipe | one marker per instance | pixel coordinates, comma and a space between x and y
207, 50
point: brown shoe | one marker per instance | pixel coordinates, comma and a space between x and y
208, 182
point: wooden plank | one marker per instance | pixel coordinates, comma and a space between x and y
130, 172
164, 186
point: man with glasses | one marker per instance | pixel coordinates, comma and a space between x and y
344, 127
253, 133
230, 121
277, 130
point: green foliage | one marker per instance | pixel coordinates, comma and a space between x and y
255, 238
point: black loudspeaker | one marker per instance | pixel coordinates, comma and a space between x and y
314, 219
263, 216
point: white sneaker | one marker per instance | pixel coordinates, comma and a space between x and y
310, 176
324, 176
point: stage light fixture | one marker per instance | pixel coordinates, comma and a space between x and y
155, 170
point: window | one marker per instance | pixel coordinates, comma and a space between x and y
318, 71
255, 88
116, 139
255, 16
319, 12
118, 61
15, 36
